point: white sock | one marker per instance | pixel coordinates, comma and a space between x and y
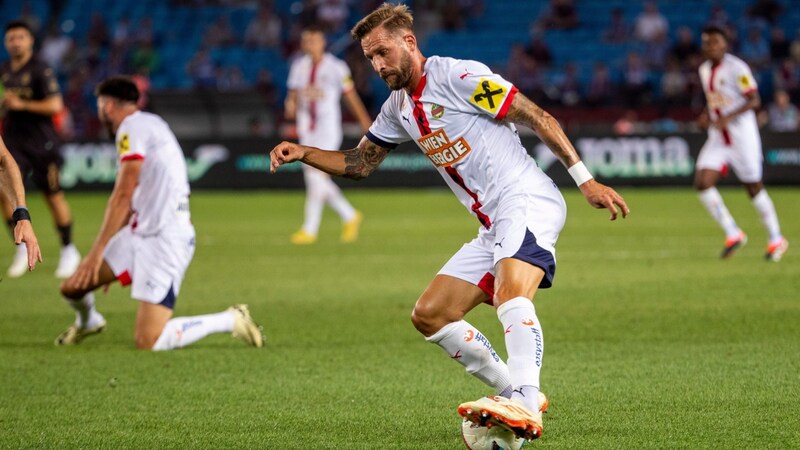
340, 204
766, 209
315, 202
86, 316
525, 346
470, 348
182, 331
712, 200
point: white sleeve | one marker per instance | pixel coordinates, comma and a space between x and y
387, 131
294, 81
131, 142
345, 77
476, 88
745, 80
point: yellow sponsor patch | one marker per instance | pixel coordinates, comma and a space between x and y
488, 95
744, 82
441, 151
123, 144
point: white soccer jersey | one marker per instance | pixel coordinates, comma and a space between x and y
319, 90
455, 116
726, 87
162, 196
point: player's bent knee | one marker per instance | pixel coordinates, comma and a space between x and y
145, 340
427, 321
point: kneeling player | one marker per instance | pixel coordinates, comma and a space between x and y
147, 238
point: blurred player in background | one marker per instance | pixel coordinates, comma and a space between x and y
30, 101
733, 139
147, 238
317, 82
462, 117
13, 192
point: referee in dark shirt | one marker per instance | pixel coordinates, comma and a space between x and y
30, 101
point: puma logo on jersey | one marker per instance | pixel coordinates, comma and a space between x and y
441, 151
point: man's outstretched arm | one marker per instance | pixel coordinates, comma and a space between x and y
12, 188
355, 163
525, 112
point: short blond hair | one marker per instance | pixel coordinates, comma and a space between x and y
390, 16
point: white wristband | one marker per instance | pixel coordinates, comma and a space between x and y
580, 173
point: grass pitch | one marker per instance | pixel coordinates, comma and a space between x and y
650, 340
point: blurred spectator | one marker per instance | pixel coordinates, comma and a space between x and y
617, 31
782, 115
539, 51
219, 33
332, 14
31, 18
558, 15
145, 55
685, 46
451, 17
530, 80
264, 30
145, 31
600, 87
718, 17
755, 49
568, 85
674, 84
98, 31
202, 70
656, 51
778, 44
142, 80
54, 47
362, 73
768, 10
785, 77
231, 79
268, 90
629, 124
121, 36
650, 23
794, 48
635, 80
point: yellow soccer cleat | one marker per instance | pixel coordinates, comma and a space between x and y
504, 412
244, 328
303, 238
350, 229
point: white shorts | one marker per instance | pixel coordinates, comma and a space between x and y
741, 150
526, 227
154, 266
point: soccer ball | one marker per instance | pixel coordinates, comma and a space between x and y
477, 437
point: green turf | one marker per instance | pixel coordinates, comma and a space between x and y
650, 340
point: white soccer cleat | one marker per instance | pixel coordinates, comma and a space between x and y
75, 334
68, 262
244, 328
776, 251
19, 266
504, 412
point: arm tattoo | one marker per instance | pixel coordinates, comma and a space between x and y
362, 160
525, 112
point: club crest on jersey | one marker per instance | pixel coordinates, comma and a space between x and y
488, 95
441, 151
437, 111
123, 144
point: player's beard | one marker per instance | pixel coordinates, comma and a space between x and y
398, 79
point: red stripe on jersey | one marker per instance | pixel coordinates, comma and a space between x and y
312, 105
132, 157
726, 137
425, 129
507, 103
124, 278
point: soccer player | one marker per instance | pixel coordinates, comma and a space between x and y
13, 190
146, 238
317, 82
31, 99
733, 139
462, 116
